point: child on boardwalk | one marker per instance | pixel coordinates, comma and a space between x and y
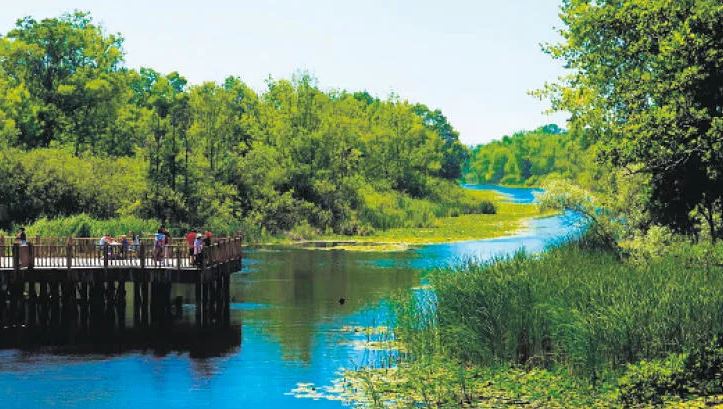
158, 245
198, 250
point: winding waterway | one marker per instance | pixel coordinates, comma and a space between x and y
291, 308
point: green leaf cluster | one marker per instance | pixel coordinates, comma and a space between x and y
531, 157
82, 133
646, 83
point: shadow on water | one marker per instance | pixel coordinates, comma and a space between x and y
177, 338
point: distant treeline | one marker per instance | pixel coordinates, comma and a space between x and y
529, 157
82, 133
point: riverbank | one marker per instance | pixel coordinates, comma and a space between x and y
509, 219
575, 327
513, 210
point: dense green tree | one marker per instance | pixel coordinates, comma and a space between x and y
647, 82
220, 154
69, 70
528, 158
455, 153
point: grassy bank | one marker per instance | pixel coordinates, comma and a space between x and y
463, 215
574, 327
507, 219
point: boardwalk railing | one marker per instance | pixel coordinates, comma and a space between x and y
79, 253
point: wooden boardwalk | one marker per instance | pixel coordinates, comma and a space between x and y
52, 281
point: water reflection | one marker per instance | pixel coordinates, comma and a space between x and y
284, 304
306, 288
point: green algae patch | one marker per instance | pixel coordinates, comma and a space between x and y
355, 246
510, 218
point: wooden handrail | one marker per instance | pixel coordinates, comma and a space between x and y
86, 253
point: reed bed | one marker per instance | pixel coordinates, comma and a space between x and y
574, 307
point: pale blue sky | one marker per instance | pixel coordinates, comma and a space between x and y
474, 60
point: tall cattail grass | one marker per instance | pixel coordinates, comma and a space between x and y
82, 225
389, 209
575, 306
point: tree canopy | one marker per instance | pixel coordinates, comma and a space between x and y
647, 83
211, 152
530, 157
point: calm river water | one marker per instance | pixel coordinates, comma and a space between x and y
288, 329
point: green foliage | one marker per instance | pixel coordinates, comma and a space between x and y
573, 327
698, 372
146, 144
390, 209
54, 182
67, 80
82, 225
704, 368
602, 222
651, 381
529, 158
646, 83
454, 153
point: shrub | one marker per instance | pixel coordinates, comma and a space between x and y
704, 368
653, 244
83, 225
55, 183
652, 381
696, 373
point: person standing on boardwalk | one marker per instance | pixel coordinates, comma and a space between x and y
198, 250
166, 242
136, 241
158, 243
190, 240
21, 237
125, 246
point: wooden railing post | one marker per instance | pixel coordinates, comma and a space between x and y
16, 257
142, 254
178, 256
105, 255
31, 256
69, 254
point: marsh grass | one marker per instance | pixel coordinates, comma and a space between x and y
507, 219
578, 307
390, 209
83, 225
567, 328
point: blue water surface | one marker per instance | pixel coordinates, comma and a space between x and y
288, 306
514, 194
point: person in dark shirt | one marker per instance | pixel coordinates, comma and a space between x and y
166, 243
22, 238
